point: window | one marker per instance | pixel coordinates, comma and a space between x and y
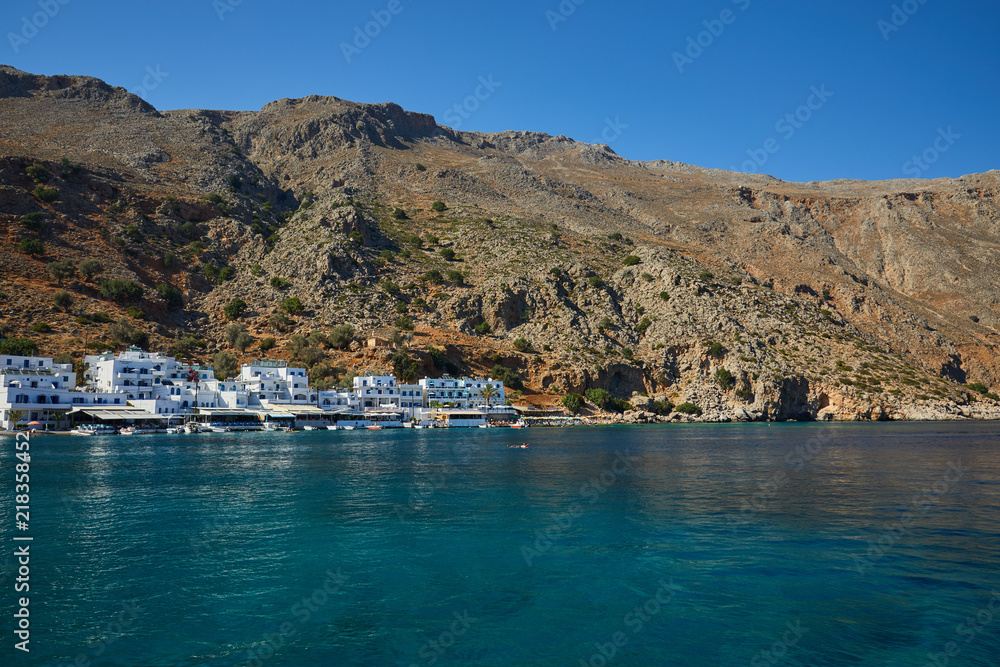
118, 401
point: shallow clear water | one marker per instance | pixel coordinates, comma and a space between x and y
448, 548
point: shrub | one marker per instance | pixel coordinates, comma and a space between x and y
483, 329
197, 247
226, 273
32, 247
399, 214
438, 206
356, 238
279, 322
235, 309
120, 290
978, 387
615, 237
632, 260
716, 350
124, 333
448, 254
510, 378
573, 403
389, 287
210, 270
41, 327
63, 299
279, 283
665, 296
405, 367
266, 344
746, 395
136, 313
595, 281
725, 379
689, 409
225, 365
101, 317
521, 344
662, 408
413, 240
255, 270
403, 323
47, 195
420, 167
431, 239
171, 295
437, 357
826, 294
456, 278
189, 230
292, 305
641, 329
18, 347
169, 260
90, 268
341, 337
34, 221
38, 173
433, 276
61, 270
706, 276
134, 234
605, 323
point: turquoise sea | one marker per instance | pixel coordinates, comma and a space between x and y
714, 545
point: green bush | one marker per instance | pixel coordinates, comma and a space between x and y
235, 310
689, 409
483, 329
595, 281
665, 296
101, 317
47, 195
255, 270
716, 350
134, 234
189, 230
32, 247
399, 214
456, 278
510, 378
266, 344
356, 238
292, 305
41, 327
521, 344
978, 387
706, 276
280, 283
663, 408
19, 347
643, 326
136, 313
34, 221
61, 270
448, 254
210, 270
405, 367
403, 323
389, 287
725, 379
38, 173
226, 273
63, 300
573, 403
433, 276
438, 206
169, 259
632, 260
437, 357
341, 337
120, 290
420, 167
171, 295
413, 240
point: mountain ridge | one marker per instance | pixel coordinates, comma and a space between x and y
899, 266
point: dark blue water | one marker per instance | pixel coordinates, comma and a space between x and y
681, 545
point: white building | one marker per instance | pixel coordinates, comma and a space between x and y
377, 392
37, 388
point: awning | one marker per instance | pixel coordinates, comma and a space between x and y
227, 412
116, 414
277, 415
300, 409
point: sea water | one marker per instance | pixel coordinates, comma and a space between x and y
716, 545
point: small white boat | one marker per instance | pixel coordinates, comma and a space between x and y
135, 430
173, 430
348, 428
94, 429
332, 428
310, 428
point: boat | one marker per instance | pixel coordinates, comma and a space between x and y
193, 428
523, 445
94, 429
215, 428
312, 428
519, 424
173, 430
373, 427
419, 426
348, 428
135, 430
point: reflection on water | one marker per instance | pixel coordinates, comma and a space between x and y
226, 537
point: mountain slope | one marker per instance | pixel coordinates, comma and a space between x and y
323, 200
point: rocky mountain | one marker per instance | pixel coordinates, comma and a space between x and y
561, 262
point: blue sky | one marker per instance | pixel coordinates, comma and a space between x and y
799, 90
